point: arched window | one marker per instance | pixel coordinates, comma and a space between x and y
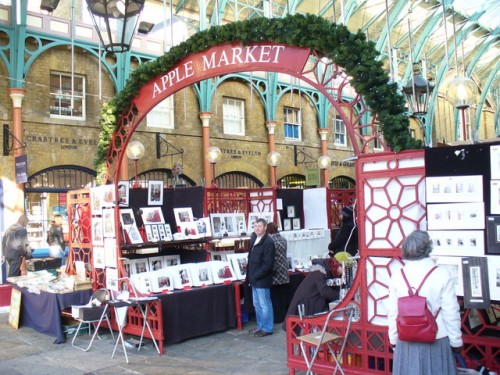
60, 179
165, 175
292, 181
342, 182
235, 180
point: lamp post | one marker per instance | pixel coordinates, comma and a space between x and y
417, 92
213, 155
462, 92
323, 163
135, 151
115, 21
274, 160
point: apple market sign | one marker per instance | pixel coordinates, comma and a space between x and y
218, 60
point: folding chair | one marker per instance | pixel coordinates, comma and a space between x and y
323, 337
92, 315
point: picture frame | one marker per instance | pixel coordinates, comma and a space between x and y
141, 265
455, 189
254, 216
240, 224
149, 233
203, 226
161, 280
222, 272
457, 243
218, 225
220, 255
129, 225
152, 215
454, 267
155, 232
95, 200
98, 257
181, 276
171, 260
108, 222
168, 232
296, 223
112, 279
97, 231
110, 254
278, 219
239, 262
494, 279
161, 232
290, 211
287, 224
155, 193
128, 265
183, 215
156, 263
123, 193
201, 273
108, 196
455, 216
495, 162
142, 282
495, 197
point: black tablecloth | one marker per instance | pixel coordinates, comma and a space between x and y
197, 312
42, 312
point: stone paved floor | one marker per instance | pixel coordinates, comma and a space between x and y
26, 351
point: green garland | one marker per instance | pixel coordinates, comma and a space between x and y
348, 50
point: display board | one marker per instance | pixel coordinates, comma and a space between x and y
15, 308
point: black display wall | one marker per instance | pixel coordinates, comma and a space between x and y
291, 197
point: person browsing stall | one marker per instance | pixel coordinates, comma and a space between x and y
260, 278
15, 246
346, 239
420, 358
55, 238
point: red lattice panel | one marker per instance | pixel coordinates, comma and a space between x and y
336, 200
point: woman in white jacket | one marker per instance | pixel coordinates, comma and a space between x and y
415, 358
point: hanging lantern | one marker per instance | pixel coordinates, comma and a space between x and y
417, 92
462, 92
115, 22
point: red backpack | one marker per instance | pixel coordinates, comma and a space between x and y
415, 322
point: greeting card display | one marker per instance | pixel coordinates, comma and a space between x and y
201, 273
221, 272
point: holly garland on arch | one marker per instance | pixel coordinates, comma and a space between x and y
349, 50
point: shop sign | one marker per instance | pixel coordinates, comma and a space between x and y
238, 154
225, 58
22, 169
312, 177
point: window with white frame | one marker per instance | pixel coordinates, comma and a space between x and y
162, 116
292, 122
67, 96
233, 116
339, 132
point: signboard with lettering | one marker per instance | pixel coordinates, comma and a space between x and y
21, 169
312, 177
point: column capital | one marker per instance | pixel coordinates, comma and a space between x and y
17, 96
205, 118
323, 133
271, 126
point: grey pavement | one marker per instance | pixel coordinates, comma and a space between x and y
26, 351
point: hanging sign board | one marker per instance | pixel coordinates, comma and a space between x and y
312, 177
21, 169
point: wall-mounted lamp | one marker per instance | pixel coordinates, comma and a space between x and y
145, 27
324, 163
8, 145
135, 151
213, 155
49, 5
274, 160
115, 22
462, 92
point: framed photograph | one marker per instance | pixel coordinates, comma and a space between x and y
161, 231
141, 265
161, 280
112, 279
189, 229
476, 282
98, 257
183, 215
142, 282
97, 232
129, 266
129, 225
95, 200
127, 217
108, 197
155, 232
296, 223
152, 215
110, 254
221, 272
457, 243
454, 189
218, 225
156, 263
495, 197
155, 193
203, 226
455, 216
220, 255
108, 222
290, 211
494, 278
171, 260
287, 224
240, 264
149, 233
181, 276
168, 232
278, 219
454, 266
201, 273
253, 216
123, 193
495, 162
240, 224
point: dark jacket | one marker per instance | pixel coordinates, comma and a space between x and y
15, 242
342, 237
55, 236
261, 262
314, 294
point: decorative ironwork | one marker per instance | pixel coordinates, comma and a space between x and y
342, 182
292, 181
165, 175
60, 179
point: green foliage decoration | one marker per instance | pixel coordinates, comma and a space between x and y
349, 50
